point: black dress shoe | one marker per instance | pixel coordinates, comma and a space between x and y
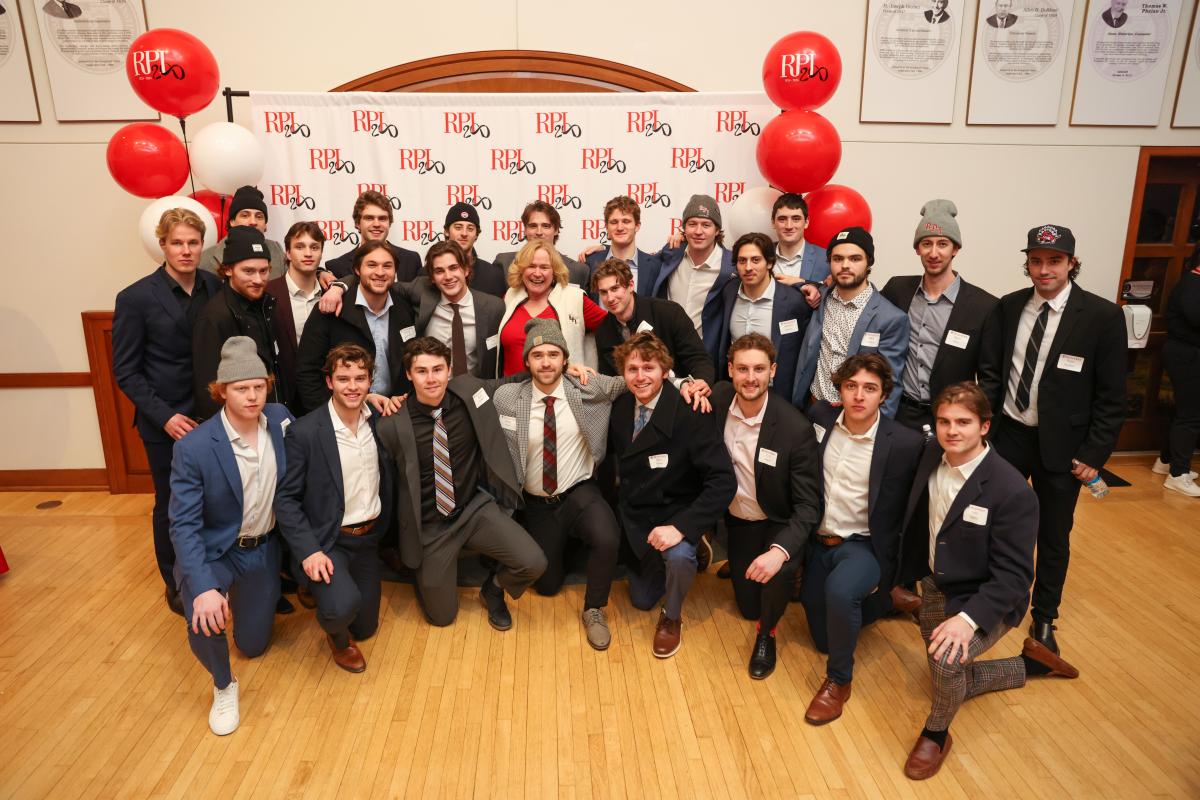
723, 571
174, 601
704, 553
1044, 633
762, 659
284, 606
492, 597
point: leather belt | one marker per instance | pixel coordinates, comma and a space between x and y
917, 404
553, 499
251, 542
358, 530
828, 539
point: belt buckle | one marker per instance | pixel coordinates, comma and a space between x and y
250, 542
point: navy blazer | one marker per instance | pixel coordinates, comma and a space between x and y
814, 265
710, 315
879, 317
648, 267
206, 496
790, 314
312, 498
894, 458
152, 351
985, 568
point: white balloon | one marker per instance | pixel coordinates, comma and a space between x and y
751, 213
226, 156
154, 212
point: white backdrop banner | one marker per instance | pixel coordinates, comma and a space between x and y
500, 151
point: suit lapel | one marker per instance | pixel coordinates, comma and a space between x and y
661, 423
864, 322
329, 448
524, 405
354, 314
929, 462
879, 457
766, 434
227, 461
430, 297
1012, 318
167, 300
969, 492
1070, 316
275, 429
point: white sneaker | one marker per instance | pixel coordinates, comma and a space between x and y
223, 718
1184, 484
1163, 468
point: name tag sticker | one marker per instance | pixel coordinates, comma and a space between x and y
956, 339
1071, 363
768, 457
976, 515
407, 333
507, 422
644, 326
870, 339
788, 326
491, 342
658, 461
480, 397
819, 430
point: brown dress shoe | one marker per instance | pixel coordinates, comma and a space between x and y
926, 758
666, 636
905, 601
349, 658
826, 705
1036, 651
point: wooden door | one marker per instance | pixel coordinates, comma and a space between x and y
124, 457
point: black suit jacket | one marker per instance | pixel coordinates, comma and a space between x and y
499, 476
285, 337
789, 306
488, 277
694, 487
222, 319
788, 490
323, 332
1079, 413
408, 264
152, 351
894, 458
649, 265
311, 499
669, 322
984, 569
971, 310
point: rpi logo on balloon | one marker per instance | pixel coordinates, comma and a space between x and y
692, 159
801, 67
737, 123
511, 231
153, 64
373, 123
336, 233
285, 123
467, 193
420, 160
646, 123
393, 201
329, 159
464, 124
602, 160
291, 196
512, 161
728, 191
558, 195
556, 124
647, 195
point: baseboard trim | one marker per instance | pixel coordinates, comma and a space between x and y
53, 480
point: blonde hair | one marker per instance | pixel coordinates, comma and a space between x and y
178, 216
524, 258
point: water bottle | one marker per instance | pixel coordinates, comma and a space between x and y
1096, 485
927, 433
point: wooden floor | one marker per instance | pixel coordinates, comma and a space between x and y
100, 696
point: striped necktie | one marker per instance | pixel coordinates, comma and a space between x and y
443, 475
1031, 357
643, 416
550, 450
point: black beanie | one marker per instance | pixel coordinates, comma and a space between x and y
244, 242
857, 236
246, 197
462, 212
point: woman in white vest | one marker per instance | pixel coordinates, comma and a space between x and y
539, 288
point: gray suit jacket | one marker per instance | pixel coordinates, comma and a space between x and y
590, 404
423, 296
577, 273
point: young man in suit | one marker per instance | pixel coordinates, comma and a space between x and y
630, 313
247, 207
557, 431
542, 223
447, 444
695, 275
223, 482
797, 262
462, 227
369, 317
296, 296
757, 303
969, 532
240, 308
1054, 366
945, 316
777, 505
334, 503
851, 318
152, 362
867, 462
676, 482
622, 221
373, 219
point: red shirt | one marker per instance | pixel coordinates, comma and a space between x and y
512, 336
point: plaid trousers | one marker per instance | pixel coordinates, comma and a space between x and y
954, 683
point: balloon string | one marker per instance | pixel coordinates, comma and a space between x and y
188, 152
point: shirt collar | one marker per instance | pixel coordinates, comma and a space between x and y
653, 401
715, 252
232, 433
633, 261
736, 411
869, 435
360, 301
295, 291
782, 259
1058, 303
966, 469
557, 394
859, 301
467, 301
338, 425
951, 293
768, 293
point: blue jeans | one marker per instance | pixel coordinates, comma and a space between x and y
836, 581
669, 572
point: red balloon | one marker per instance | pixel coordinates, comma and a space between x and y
217, 205
799, 151
833, 208
801, 71
147, 160
172, 71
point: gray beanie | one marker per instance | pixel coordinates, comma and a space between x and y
544, 331
704, 207
937, 219
240, 361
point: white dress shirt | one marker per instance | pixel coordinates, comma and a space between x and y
690, 284
741, 440
575, 462
752, 316
847, 472
790, 266
441, 326
944, 485
257, 470
359, 458
1024, 328
302, 304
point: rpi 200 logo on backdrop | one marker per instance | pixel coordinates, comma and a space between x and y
426, 152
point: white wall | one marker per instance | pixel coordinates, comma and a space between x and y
69, 230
